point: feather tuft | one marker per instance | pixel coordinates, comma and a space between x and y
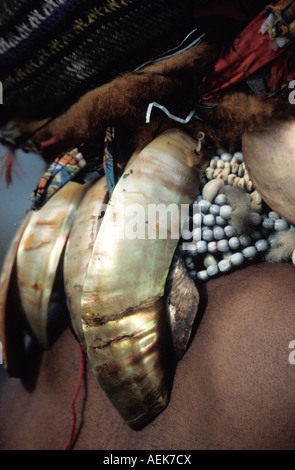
10, 165
241, 217
285, 244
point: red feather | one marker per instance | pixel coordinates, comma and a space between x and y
10, 165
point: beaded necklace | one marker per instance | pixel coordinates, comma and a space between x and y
220, 247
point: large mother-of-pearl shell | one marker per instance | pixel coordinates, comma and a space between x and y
123, 309
40, 253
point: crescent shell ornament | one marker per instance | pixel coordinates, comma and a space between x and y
111, 265
123, 306
40, 254
11, 314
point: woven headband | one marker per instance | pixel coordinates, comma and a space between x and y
52, 52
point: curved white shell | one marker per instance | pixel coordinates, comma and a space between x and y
39, 255
122, 299
10, 313
79, 248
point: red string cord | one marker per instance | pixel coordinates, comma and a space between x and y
49, 142
74, 418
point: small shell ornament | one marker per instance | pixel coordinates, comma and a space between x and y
182, 302
123, 306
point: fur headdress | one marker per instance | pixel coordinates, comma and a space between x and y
71, 69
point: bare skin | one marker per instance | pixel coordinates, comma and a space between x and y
233, 389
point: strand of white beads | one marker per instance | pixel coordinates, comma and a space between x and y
219, 248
